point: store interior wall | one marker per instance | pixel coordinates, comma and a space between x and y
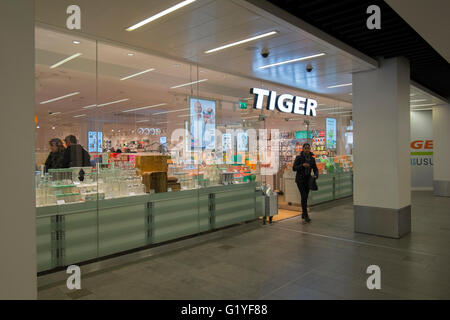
18, 270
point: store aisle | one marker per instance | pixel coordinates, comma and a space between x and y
290, 260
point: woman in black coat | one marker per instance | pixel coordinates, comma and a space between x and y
303, 165
55, 158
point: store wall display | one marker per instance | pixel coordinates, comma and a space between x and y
149, 131
286, 103
203, 123
95, 141
331, 133
421, 148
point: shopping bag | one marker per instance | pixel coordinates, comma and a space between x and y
313, 184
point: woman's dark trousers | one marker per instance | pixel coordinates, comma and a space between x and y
303, 187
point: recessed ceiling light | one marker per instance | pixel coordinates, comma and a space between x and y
418, 100
159, 15
76, 42
340, 85
293, 60
79, 116
131, 54
187, 84
147, 107
241, 42
59, 98
53, 128
65, 60
137, 74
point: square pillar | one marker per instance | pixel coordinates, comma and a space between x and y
441, 156
18, 268
382, 172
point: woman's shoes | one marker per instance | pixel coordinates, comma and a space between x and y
306, 217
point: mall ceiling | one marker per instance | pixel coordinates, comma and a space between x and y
346, 21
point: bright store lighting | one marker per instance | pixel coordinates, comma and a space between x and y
37, 127
91, 106
423, 105
187, 84
293, 60
105, 104
242, 41
425, 109
161, 14
79, 116
418, 100
140, 121
163, 112
137, 74
131, 54
59, 98
65, 60
147, 107
53, 128
76, 42
340, 85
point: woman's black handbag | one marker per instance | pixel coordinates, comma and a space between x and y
313, 184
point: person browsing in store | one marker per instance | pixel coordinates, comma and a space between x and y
74, 154
304, 164
55, 157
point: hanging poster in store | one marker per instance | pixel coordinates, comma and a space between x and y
95, 141
226, 142
331, 133
203, 123
242, 141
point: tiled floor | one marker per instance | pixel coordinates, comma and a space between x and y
291, 260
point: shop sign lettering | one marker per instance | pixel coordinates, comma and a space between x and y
286, 103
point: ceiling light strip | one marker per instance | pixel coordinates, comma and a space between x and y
423, 105
187, 84
65, 60
340, 85
293, 60
137, 74
170, 111
147, 107
113, 102
241, 42
159, 15
79, 116
59, 98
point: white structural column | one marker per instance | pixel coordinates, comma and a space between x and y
441, 137
382, 172
18, 278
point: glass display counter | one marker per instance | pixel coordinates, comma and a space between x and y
335, 180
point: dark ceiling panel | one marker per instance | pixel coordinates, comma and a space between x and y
346, 21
